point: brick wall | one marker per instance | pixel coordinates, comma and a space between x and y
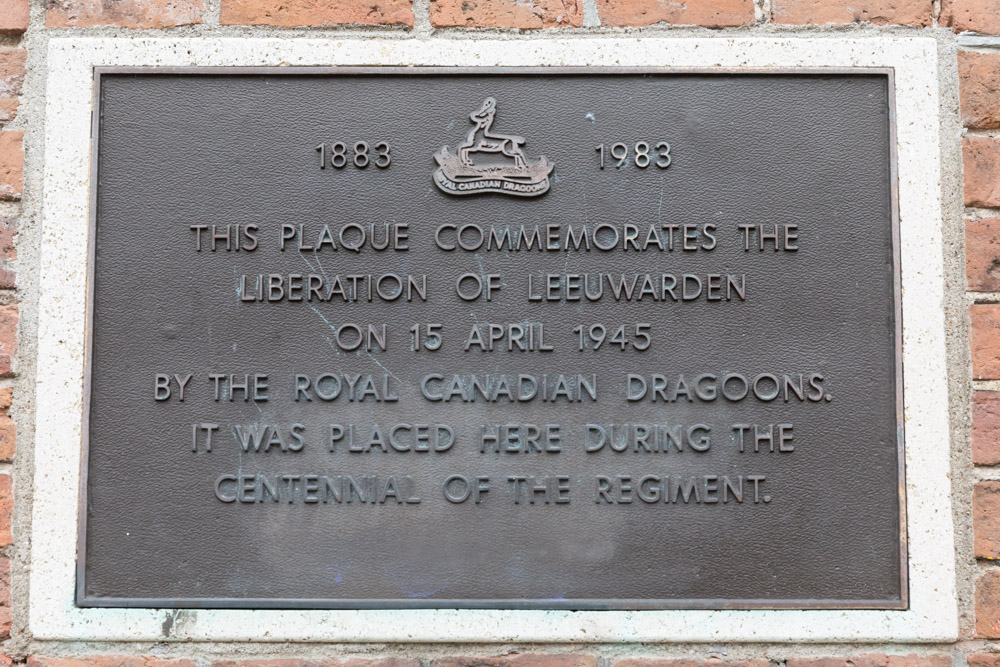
979, 91
13, 58
24, 25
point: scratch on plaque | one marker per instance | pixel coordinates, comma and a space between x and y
377, 363
321, 316
335, 349
320, 263
308, 263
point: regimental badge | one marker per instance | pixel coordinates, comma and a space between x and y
510, 171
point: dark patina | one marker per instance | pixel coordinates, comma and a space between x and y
259, 236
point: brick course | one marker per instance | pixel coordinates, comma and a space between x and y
518, 660
8, 253
981, 16
988, 605
658, 662
510, 660
5, 599
979, 89
986, 519
109, 661
986, 428
6, 511
984, 660
13, 16
12, 71
123, 13
984, 334
981, 164
982, 255
873, 660
11, 164
705, 13
8, 430
8, 339
293, 13
294, 662
877, 12
506, 13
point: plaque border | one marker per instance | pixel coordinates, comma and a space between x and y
924, 194
577, 604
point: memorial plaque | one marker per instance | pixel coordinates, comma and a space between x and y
510, 338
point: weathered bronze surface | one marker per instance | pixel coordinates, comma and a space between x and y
572, 339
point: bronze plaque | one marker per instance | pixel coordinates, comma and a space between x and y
510, 338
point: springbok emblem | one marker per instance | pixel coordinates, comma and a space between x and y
457, 174
481, 139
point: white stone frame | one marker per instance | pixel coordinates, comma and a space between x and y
932, 615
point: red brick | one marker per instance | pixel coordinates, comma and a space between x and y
984, 660
13, 16
12, 71
108, 661
876, 12
979, 89
981, 162
6, 511
982, 255
506, 14
986, 520
988, 605
874, 660
984, 339
657, 662
4, 597
123, 13
8, 339
292, 662
8, 253
8, 431
974, 15
518, 660
11, 165
986, 428
705, 13
8, 439
292, 13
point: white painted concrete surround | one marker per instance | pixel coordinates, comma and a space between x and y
932, 615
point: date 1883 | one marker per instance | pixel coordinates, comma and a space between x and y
338, 155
